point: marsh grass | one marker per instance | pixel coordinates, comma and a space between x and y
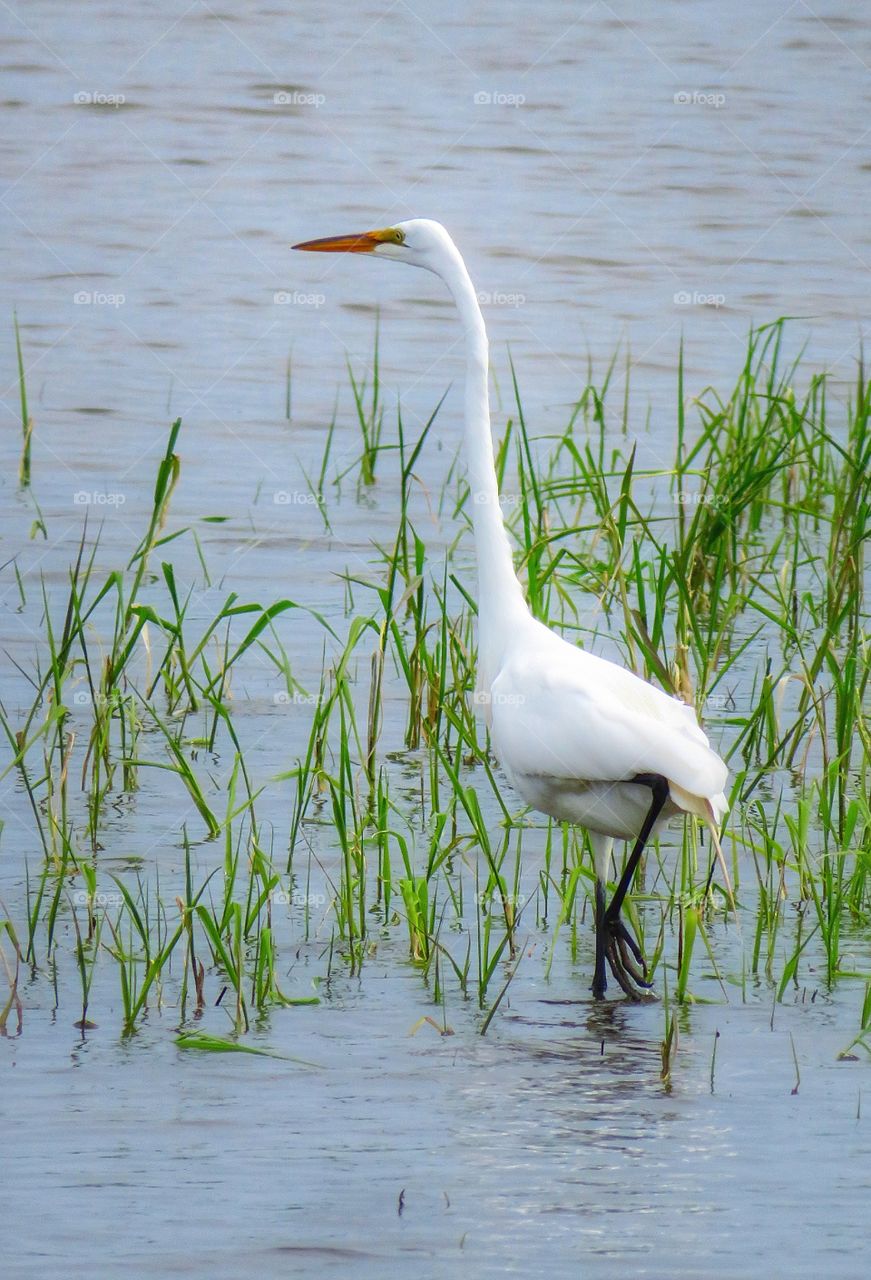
26, 420
734, 579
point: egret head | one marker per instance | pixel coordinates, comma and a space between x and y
419, 242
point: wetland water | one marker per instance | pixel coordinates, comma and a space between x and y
614, 173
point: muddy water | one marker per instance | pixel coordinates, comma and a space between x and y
615, 174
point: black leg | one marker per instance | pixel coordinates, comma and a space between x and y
623, 952
600, 982
659, 787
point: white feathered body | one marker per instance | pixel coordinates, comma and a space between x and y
571, 730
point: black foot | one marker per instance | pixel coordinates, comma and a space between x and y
625, 959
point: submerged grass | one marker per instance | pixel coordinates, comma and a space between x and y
735, 579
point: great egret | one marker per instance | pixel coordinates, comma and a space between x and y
579, 737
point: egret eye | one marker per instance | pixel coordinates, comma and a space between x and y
399, 236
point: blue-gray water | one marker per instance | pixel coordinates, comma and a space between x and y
615, 174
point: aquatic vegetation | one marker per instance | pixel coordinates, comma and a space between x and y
381, 829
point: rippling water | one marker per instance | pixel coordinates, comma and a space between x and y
615, 173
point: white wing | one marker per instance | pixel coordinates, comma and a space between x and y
561, 712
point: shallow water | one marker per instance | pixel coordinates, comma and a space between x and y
147, 232
534, 1148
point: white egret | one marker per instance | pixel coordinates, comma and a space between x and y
579, 737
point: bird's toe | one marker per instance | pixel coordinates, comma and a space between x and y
626, 961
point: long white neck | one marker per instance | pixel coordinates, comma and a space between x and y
500, 599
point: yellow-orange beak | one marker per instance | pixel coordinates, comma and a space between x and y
362, 242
